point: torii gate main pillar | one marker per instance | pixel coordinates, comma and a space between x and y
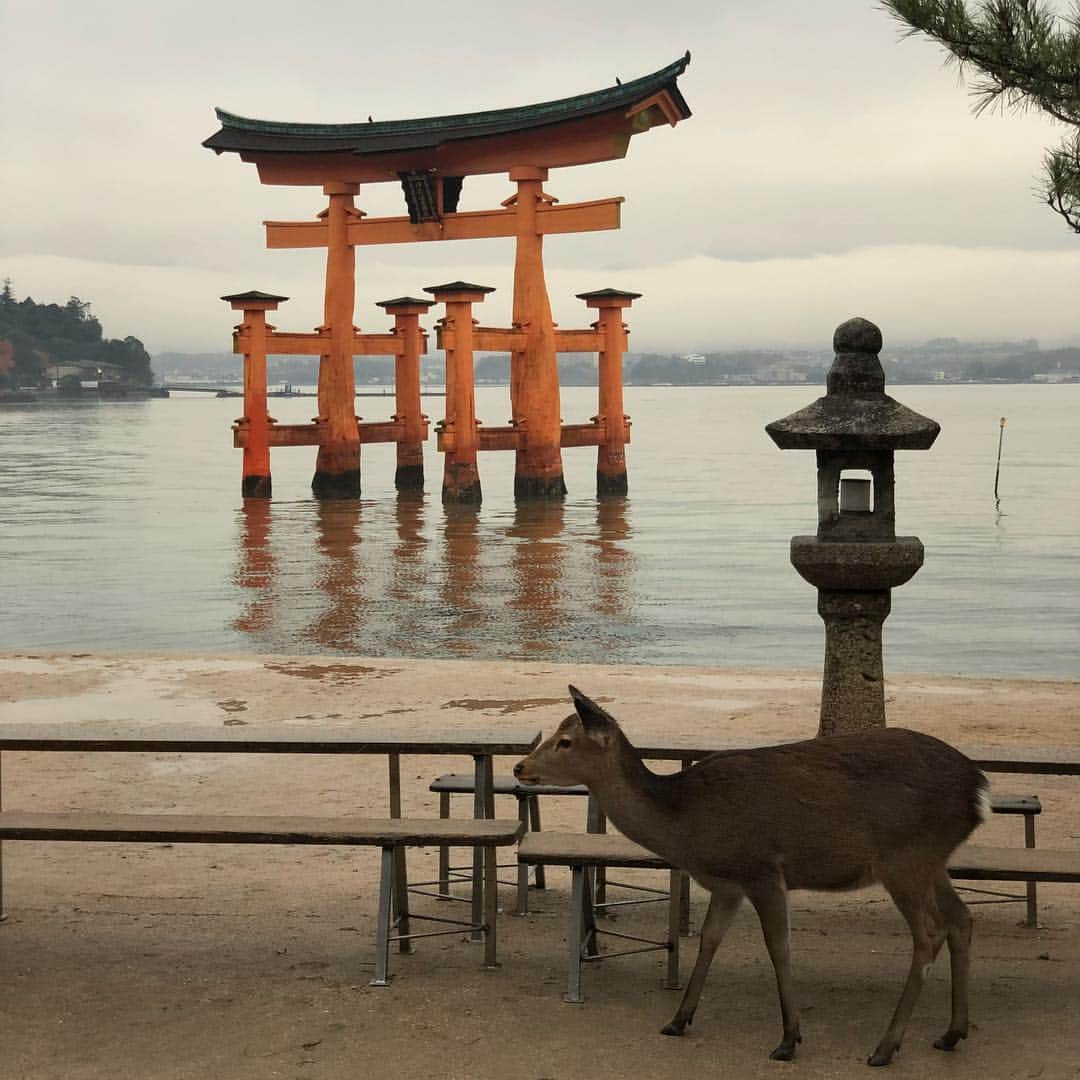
337, 467
534, 369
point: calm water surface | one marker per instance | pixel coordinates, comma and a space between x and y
121, 528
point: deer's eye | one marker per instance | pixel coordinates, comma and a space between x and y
562, 744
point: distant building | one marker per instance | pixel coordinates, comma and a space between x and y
1056, 376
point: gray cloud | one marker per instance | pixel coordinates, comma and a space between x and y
829, 166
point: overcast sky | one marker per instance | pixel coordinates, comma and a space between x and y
830, 167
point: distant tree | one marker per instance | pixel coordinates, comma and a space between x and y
41, 337
1027, 57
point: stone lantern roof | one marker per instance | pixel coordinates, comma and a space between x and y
855, 414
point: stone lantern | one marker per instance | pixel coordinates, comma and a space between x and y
856, 558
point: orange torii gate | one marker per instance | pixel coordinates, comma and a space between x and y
430, 158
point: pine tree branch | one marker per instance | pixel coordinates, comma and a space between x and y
1027, 57
1061, 181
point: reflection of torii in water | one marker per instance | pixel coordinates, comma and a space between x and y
430, 158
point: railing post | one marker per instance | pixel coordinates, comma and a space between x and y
611, 454
250, 339
461, 480
409, 475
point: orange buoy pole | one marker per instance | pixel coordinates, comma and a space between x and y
611, 476
255, 423
461, 479
337, 467
409, 475
534, 370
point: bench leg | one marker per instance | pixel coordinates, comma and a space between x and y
574, 934
675, 898
534, 826
444, 851
483, 807
401, 879
597, 823
588, 912
684, 904
522, 868
382, 919
1032, 897
491, 904
3, 913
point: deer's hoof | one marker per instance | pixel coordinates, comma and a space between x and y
949, 1040
786, 1050
676, 1027
882, 1055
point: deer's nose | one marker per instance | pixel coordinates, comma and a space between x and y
517, 769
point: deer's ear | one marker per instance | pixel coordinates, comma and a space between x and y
592, 716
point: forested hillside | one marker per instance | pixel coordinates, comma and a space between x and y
42, 343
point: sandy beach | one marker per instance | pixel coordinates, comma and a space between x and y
127, 961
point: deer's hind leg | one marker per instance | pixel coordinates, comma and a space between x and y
958, 923
724, 901
770, 901
914, 892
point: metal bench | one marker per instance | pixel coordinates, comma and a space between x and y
528, 810
585, 852
582, 853
528, 805
391, 835
1029, 807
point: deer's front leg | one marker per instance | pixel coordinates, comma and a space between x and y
770, 901
723, 903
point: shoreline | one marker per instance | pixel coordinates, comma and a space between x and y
148, 687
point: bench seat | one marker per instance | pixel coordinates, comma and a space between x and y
463, 784
586, 849
972, 862
528, 805
229, 829
389, 834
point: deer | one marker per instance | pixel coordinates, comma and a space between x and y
832, 813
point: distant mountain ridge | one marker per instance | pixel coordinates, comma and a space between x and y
939, 360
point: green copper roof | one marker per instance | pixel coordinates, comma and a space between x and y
608, 294
459, 286
254, 294
239, 133
404, 301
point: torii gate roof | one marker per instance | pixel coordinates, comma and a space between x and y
576, 130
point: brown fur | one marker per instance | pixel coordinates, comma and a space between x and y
836, 812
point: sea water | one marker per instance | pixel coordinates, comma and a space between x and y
122, 528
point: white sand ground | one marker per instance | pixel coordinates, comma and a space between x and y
134, 962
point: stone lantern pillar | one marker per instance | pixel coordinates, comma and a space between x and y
856, 558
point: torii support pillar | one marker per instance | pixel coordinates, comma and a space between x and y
337, 467
611, 454
251, 341
409, 475
458, 438
534, 370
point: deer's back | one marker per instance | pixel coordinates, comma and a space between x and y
827, 812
